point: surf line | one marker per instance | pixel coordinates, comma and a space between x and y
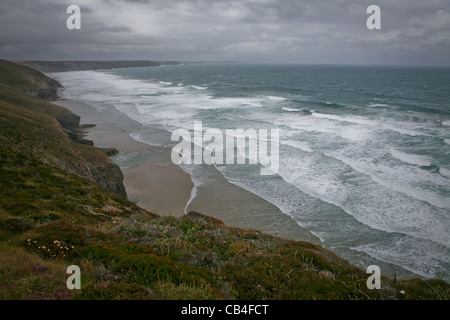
231, 150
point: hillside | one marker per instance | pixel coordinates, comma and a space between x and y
27, 80
63, 203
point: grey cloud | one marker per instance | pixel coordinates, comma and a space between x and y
309, 31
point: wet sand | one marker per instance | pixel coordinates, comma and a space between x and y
160, 187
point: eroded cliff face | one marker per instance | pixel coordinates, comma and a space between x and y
104, 172
47, 90
51, 133
90, 162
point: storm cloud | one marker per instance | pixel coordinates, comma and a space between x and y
296, 31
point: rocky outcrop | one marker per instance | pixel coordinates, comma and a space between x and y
69, 121
47, 91
108, 175
110, 152
104, 172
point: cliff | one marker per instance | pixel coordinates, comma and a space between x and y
46, 131
27, 80
62, 203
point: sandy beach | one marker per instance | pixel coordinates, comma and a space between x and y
156, 185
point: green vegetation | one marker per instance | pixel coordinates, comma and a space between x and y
27, 80
55, 213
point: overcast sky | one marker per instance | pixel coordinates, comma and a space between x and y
294, 31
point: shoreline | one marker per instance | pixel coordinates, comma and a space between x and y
159, 187
174, 192
153, 182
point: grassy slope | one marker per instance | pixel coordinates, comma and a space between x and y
27, 80
51, 218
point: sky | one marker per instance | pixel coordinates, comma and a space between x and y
413, 32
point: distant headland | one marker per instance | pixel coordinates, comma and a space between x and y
62, 66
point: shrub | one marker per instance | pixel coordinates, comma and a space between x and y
15, 226
139, 265
57, 240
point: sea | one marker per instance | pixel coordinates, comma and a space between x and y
364, 154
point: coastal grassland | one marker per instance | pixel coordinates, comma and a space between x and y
27, 80
58, 207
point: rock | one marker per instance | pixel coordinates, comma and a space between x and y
110, 152
69, 121
110, 177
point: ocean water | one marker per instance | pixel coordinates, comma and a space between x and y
364, 151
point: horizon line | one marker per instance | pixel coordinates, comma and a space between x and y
240, 62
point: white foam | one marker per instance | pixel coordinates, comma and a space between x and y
276, 98
302, 145
384, 123
198, 87
381, 105
412, 182
375, 105
446, 123
422, 258
414, 159
367, 200
138, 136
290, 109
198, 179
445, 171
193, 194
447, 141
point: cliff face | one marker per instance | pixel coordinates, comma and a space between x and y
49, 132
105, 173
